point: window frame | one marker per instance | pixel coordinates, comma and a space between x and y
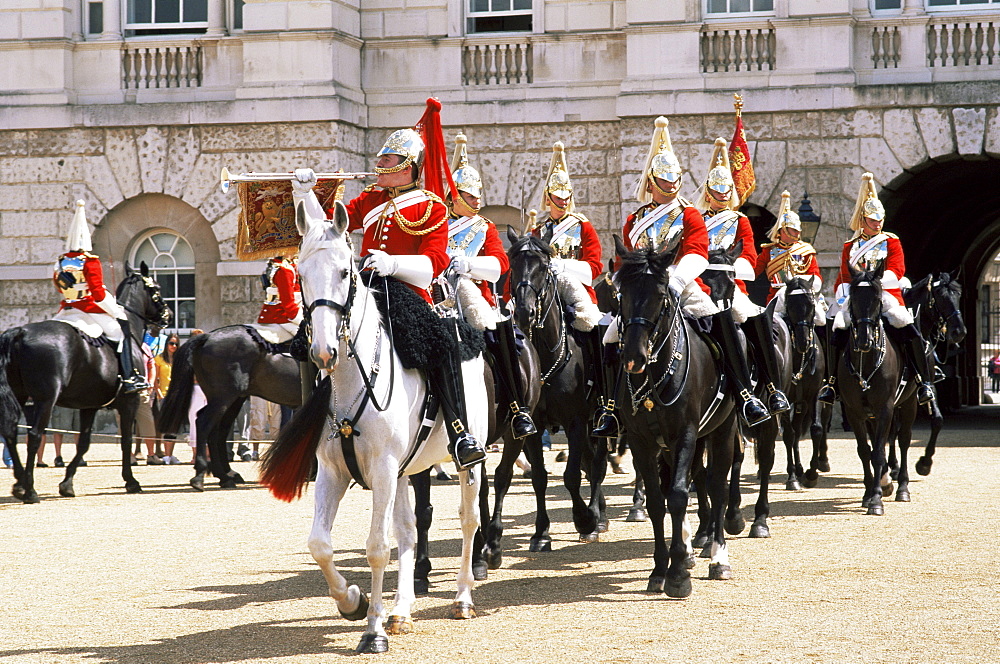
727, 15
174, 301
183, 27
468, 15
990, 5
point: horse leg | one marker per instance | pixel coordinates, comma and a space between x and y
480, 568
792, 456
424, 514
860, 431
597, 475
880, 431
584, 519
82, 445
925, 462
678, 581
209, 422
405, 520
719, 465
906, 414
229, 477
893, 433
735, 522
699, 479
819, 461
378, 550
502, 477
645, 459
540, 539
468, 515
26, 481
765, 464
638, 511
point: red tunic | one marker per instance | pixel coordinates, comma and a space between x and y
286, 308
589, 251
894, 261
745, 232
493, 247
694, 238
812, 267
94, 275
384, 232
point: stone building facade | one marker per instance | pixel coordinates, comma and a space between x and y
137, 118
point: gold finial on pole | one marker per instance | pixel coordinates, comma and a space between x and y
532, 220
738, 104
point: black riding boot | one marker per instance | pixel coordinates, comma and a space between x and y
914, 350
835, 341
758, 329
504, 351
132, 380
753, 411
445, 378
606, 423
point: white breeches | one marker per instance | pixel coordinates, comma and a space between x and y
694, 302
92, 325
819, 318
897, 315
277, 333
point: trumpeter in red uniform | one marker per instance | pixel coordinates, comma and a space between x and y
870, 249
787, 256
478, 253
281, 312
79, 277
406, 237
719, 204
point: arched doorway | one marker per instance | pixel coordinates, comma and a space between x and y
947, 214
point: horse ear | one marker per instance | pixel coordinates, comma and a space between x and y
547, 234
340, 219
736, 250
620, 249
128, 269
853, 272
301, 219
512, 235
879, 271
143, 269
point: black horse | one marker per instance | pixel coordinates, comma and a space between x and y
808, 364
870, 374
53, 364
935, 301
230, 364
675, 406
565, 400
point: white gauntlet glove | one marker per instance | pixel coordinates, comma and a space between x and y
383, 264
843, 290
304, 180
461, 266
676, 287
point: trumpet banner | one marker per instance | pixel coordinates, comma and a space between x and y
267, 217
741, 163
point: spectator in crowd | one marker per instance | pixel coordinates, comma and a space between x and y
993, 368
164, 363
265, 421
62, 419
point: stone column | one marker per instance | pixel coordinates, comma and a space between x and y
911, 7
216, 19
112, 20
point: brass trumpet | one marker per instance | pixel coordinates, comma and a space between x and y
227, 179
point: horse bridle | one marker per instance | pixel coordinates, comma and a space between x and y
651, 388
810, 325
152, 288
879, 340
540, 314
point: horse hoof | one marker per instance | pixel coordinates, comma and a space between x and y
228, 483
690, 562
17, 491
373, 644
618, 470
793, 485
655, 584
679, 588
902, 496
887, 490
924, 465
31, 498
235, 477
197, 483
540, 545
810, 478
823, 465
494, 559
421, 586
480, 571
66, 490
602, 526
359, 613
706, 552
735, 525
398, 625
562, 457
875, 510
720, 572
700, 541
760, 531
462, 611
590, 538
636, 515
133, 487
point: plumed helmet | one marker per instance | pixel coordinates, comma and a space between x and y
719, 179
786, 217
557, 182
661, 162
868, 204
408, 145
466, 177
78, 238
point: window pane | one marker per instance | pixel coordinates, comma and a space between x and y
501, 5
168, 11
168, 288
739, 5
973, 2
164, 241
95, 18
140, 11
146, 252
887, 4
479, 5
716, 6
763, 5
195, 10
521, 23
163, 262
183, 256
940, 3
237, 14
185, 285
185, 313
522, 4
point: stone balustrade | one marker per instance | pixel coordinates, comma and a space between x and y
161, 65
734, 50
953, 43
886, 42
493, 63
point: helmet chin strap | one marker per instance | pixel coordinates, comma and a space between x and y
395, 169
561, 208
652, 183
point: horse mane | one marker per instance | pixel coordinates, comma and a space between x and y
948, 283
645, 261
530, 242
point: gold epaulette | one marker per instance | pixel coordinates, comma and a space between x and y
434, 197
578, 216
684, 202
892, 235
768, 245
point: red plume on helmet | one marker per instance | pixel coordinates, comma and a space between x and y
437, 172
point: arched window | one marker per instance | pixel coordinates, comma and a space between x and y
171, 264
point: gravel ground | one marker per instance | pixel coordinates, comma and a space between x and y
177, 577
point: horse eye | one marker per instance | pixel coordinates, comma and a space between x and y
344, 273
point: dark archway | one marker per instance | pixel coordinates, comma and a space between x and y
947, 214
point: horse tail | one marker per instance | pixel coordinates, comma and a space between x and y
10, 409
174, 409
286, 466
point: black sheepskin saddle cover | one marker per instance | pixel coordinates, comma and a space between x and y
420, 336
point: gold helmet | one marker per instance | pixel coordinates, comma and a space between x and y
661, 162
78, 238
868, 204
786, 217
407, 144
465, 176
557, 181
720, 178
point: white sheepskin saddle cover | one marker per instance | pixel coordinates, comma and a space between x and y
744, 308
819, 318
897, 315
475, 309
694, 302
573, 292
93, 325
276, 333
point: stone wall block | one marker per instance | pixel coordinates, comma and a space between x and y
101, 182
850, 182
227, 250
823, 181
123, 157
826, 152
14, 316
902, 136
690, 128
970, 128
94, 208
248, 137
527, 171
28, 292
796, 125
183, 147
935, 128
847, 124
879, 160
494, 168
225, 227
151, 146
603, 189
22, 170
63, 142
700, 162
15, 197
204, 179
218, 204
352, 139
44, 250
769, 162
238, 314
794, 180
325, 161
13, 143
235, 289
487, 138
32, 223
991, 143
307, 136
633, 157
57, 196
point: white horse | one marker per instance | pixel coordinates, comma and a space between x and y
348, 338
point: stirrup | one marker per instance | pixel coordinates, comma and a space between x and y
467, 452
133, 384
925, 393
754, 411
938, 374
777, 402
827, 394
606, 425
521, 424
